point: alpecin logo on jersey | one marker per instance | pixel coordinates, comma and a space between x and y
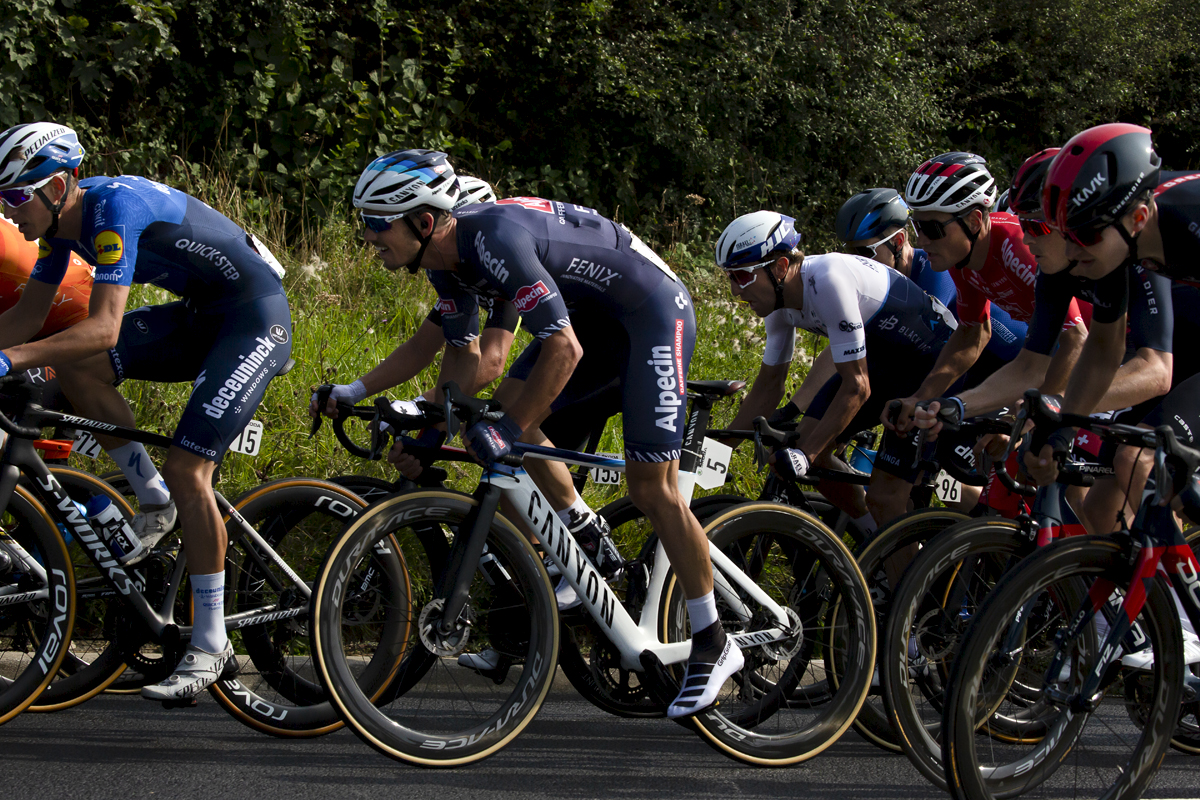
1026, 272
667, 361
532, 203
446, 306
492, 265
529, 296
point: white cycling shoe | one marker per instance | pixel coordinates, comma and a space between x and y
707, 671
1144, 659
198, 670
152, 523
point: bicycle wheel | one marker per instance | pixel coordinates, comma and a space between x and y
1186, 738
91, 665
37, 602
1097, 750
435, 712
277, 690
802, 566
916, 528
367, 487
937, 596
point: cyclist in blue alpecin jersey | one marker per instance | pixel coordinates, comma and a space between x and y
230, 334
601, 306
884, 335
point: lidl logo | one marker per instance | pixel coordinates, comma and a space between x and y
44, 249
109, 248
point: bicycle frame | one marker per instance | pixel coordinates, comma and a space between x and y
631, 638
19, 457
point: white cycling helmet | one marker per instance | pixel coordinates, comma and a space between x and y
751, 239
951, 182
473, 190
35, 151
406, 179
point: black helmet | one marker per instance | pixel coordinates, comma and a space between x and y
871, 212
1097, 176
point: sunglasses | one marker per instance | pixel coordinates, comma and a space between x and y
1087, 236
744, 276
868, 250
379, 224
933, 230
1034, 227
15, 198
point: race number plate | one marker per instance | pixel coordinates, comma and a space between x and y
605, 476
714, 464
86, 445
947, 489
249, 440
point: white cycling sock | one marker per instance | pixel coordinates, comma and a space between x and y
143, 476
208, 620
702, 611
579, 508
866, 523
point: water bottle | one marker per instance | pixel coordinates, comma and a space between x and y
110, 523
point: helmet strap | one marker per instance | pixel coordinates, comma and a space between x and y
424, 240
778, 287
972, 236
1130, 240
54, 208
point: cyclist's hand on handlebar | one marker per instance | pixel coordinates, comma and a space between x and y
1043, 467
411, 462
899, 420
490, 441
933, 415
346, 393
789, 463
407, 464
994, 444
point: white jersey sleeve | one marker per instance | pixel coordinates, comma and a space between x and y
831, 295
781, 339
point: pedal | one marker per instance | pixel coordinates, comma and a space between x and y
188, 703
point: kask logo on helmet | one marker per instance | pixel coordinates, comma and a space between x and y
1086, 192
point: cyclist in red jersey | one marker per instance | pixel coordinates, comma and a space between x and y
951, 196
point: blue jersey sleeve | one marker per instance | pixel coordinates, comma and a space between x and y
115, 228
459, 309
52, 262
507, 256
1008, 335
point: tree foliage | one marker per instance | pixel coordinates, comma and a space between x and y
672, 114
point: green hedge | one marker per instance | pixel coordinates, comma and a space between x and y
672, 114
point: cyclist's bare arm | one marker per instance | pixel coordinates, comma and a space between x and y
97, 333
818, 375
19, 324
1070, 345
959, 355
854, 391
560, 354
763, 397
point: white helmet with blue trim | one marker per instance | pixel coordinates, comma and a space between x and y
751, 238
406, 179
473, 190
31, 152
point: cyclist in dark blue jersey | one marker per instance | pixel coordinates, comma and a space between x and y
600, 305
230, 334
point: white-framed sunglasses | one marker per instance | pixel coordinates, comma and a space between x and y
868, 250
15, 198
747, 275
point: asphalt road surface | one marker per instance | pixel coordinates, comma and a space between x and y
125, 747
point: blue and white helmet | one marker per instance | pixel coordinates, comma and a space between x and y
31, 152
404, 180
473, 190
751, 238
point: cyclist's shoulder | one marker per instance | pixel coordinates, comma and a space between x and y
127, 198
